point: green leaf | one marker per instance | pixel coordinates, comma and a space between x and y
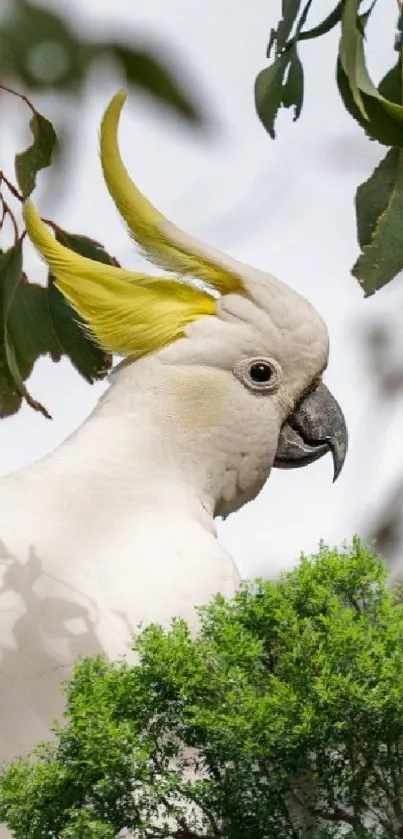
373, 196
85, 246
29, 321
88, 358
11, 277
349, 42
36, 320
38, 156
322, 28
315, 32
352, 57
269, 92
302, 20
379, 126
293, 89
379, 206
10, 399
280, 36
281, 84
391, 85
274, 86
40, 49
148, 73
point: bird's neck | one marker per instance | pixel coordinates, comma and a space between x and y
137, 450
122, 512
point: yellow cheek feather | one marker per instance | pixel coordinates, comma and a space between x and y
198, 397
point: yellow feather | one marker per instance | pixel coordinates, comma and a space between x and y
128, 313
159, 239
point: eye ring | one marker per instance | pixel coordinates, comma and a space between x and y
262, 375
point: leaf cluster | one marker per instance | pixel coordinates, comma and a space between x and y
282, 718
36, 320
41, 51
378, 109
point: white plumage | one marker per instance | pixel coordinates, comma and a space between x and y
117, 526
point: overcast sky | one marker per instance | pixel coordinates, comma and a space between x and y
283, 206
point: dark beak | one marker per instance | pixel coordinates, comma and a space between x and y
315, 427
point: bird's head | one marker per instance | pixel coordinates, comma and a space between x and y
243, 353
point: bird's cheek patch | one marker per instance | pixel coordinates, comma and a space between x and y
198, 397
286, 402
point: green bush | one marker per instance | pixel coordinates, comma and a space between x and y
282, 719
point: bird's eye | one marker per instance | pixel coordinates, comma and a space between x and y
261, 372
262, 375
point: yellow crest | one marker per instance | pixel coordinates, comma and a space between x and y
159, 239
131, 313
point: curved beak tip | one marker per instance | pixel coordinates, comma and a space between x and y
315, 427
338, 449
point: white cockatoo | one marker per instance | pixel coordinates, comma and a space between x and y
116, 527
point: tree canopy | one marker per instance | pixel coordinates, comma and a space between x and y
282, 719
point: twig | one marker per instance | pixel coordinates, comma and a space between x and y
13, 189
19, 96
7, 211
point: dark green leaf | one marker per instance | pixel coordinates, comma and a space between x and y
36, 321
373, 196
316, 32
269, 92
40, 49
87, 357
379, 126
274, 86
13, 334
322, 28
272, 41
148, 73
302, 19
11, 274
37, 156
30, 322
379, 204
352, 58
280, 36
293, 89
10, 399
399, 31
391, 84
12, 362
350, 37
85, 246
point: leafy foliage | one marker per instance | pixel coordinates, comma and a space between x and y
282, 84
40, 50
36, 320
283, 718
37, 156
379, 204
377, 109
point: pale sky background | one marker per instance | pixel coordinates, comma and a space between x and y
283, 206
